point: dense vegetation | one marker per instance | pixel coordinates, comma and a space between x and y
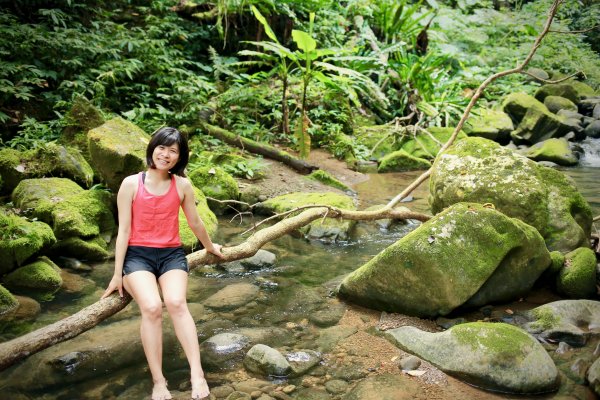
293, 71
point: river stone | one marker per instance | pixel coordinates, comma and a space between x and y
92, 249
217, 184
401, 161
232, 297
593, 377
564, 89
336, 386
312, 394
569, 321
117, 150
223, 351
41, 279
557, 103
577, 279
263, 259
480, 170
492, 356
265, 360
8, 302
302, 361
21, 240
494, 125
385, 387
269, 335
329, 338
239, 396
328, 316
593, 130
468, 254
74, 283
596, 111
329, 230
189, 240
28, 309
554, 150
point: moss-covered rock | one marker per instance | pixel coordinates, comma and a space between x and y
324, 177
8, 302
93, 249
117, 150
466, 255
21, 240
328, 230
343, 147
82, 117
188, 239
557, 103
490, 124
583, 89
558, 260
400, 161
564, 89
555, 150
214, 182
492, 356
52, 160
593, 376
479, 170
382, 136
427, 144
40, 279
577, 279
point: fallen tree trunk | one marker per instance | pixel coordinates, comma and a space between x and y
259, 148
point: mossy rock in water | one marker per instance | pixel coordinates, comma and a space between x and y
492, 356
214, 182
40, 279
324, 177
188, 238
52, 160
328, 230
490, 124
93, 249
577, 279
8, 302
117, 150
466, 255
21, 240
479, 170
401, 161
554, 150
427, 144
557, 103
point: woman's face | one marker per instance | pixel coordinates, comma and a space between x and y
165, 157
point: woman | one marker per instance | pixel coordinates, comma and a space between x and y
148, 253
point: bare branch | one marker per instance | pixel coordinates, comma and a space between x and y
574, 32
578, 73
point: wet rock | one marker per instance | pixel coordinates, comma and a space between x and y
422, 274
73, 283
222, 391
263, 259
313, 394
8, 302
28, 309
217, 184
212, 327
302, 361
41, 279
596, 111
593, 376
554, 150
72, 264
239, 396
265, 360
593, 130
349, 373
223, 351
328, 338
385, 387
493, 356
568, 321
481, 171
232, 297
409, 363
557, 103
447, 323
578, 369
272, 336
577, 278
490, 124
563, 348
336, 386
328, 317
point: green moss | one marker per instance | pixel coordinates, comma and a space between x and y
558, 260
583, 89
490, 124
290, 201
497, 339
400, 161
10, 161
8, 302
555, 150
40, 279
517, 104
94, 249
324, 177
382, 136
556, 103
214, 182
545, 319
189, 240
343, 147
578, 277
426, 145
565, 89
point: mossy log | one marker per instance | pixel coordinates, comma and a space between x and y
259, 148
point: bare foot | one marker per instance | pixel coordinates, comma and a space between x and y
200, 389
160, 391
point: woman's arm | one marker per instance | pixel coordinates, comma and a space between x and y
124, 199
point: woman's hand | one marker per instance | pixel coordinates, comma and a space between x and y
216, 250
116, 283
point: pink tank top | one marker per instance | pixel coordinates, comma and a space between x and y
155, 219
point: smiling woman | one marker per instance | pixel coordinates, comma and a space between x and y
149, 253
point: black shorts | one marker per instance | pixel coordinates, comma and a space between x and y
155, 260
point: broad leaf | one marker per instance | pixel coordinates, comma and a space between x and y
265, 24
304, 41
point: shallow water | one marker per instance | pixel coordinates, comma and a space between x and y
298, 285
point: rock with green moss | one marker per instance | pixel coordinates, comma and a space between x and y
92, 249
21, 239
82, 117
558, 260
41, 279
52, 160
188, 239
401, 161
494, 125
554, 150
325, 178
479, 170
569, 321
117, 150
466, 255
565, 89
330, 229
8, 302
593, 377
557, 103
577, 279
215, 183
381, 138
343, 147
492, 356
426, 145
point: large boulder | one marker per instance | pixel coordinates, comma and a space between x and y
479, 170
554, 150
492, 356
466, 255
327, 230
232, 296
188, 238
216, 184
564, 89
494, 125
557, 103
82, 117
40, 279
577, 278
21, 239
51, 160
117, 150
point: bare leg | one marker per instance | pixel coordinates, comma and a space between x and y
174, 287
143, 288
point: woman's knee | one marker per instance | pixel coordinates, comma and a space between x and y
176, 305
151, 309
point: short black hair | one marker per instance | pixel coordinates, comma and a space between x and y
167, 136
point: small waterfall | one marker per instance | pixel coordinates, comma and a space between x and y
591, 152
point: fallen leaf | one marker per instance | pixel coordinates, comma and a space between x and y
415, 373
